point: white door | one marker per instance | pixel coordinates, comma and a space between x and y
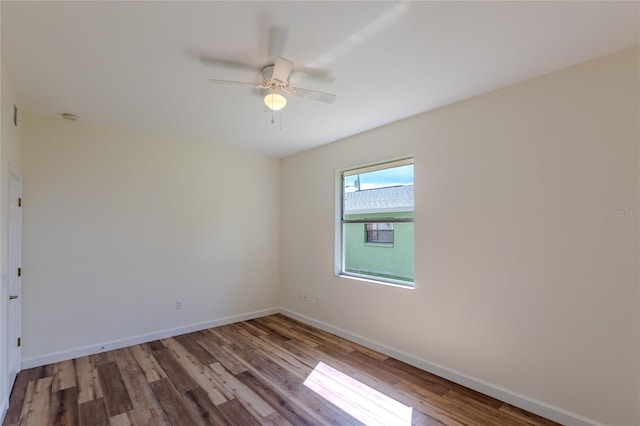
14, 272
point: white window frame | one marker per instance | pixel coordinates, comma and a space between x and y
339, 269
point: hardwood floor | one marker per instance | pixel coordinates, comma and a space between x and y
272, 370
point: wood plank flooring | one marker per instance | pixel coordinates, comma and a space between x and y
268, 371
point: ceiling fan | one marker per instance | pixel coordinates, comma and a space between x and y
276, 80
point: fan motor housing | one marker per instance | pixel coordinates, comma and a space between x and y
267, 72
270, 83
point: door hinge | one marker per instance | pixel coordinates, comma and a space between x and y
20, 202
19, 341
19, 272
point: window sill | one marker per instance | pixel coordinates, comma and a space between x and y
391, 283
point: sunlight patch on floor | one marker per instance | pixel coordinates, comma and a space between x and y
357, 399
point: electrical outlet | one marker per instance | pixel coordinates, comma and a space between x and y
178, 305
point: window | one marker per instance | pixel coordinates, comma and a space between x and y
378, 232
377, 238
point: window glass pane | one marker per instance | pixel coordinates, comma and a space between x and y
381, 260
377, 243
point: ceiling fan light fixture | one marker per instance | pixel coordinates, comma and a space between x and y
275, 101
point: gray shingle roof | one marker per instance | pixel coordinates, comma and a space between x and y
379, 200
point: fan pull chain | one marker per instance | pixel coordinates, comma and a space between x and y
272, 117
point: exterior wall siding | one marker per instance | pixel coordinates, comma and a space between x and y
391, 260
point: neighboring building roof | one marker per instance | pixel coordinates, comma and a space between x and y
379, 200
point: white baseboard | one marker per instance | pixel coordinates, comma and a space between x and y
538, 407
143, 338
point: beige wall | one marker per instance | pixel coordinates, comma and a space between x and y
118, 226
523, 279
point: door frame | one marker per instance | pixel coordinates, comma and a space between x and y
13, 254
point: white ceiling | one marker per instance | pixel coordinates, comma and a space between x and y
135, 64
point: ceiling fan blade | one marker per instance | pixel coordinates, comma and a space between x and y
312, 94
234, 83
227, 63
277, 41
282, 69
313, 72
